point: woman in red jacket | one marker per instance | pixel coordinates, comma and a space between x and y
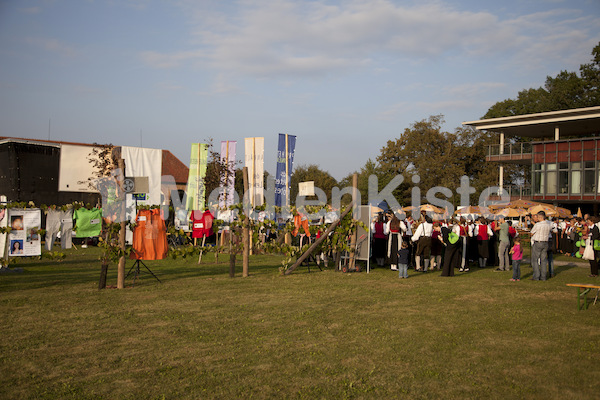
378, 227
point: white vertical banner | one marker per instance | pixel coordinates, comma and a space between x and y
140, 162
227, 195
254, 161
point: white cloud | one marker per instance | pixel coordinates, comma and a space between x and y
222, 84
393, 111
170, 87
87, 90
405, 108
31, 10
52, 45
471, 89
557, 36
290, 39
161, 61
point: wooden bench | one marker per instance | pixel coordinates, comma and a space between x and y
586, 287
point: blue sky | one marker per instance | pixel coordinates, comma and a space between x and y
343, 76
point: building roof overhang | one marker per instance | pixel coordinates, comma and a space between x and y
576, 121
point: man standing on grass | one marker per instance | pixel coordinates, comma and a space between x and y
539, 247
503, 247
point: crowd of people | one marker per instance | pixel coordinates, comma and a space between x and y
460, 244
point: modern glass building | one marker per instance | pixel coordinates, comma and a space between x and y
562, 149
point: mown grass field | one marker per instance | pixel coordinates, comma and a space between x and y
329, 335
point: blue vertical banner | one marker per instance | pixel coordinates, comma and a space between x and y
285, 162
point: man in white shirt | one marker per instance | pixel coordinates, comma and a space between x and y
422, 238
539, 247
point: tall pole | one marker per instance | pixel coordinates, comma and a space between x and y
501, 168
287, 172
198, 179
230, 231
245, 230
252, 179
354, 234
252, 189
317, 242
226, 187
288, 236
121, 265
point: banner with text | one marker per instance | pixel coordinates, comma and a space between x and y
227, 196
195, 190
254, 157
285, 162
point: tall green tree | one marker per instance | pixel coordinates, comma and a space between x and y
590, 73
439, 158
424, 151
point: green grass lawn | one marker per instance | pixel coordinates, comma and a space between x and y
329, 335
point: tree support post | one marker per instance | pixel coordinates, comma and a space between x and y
245, 229
121, 265
354, 234
317, 242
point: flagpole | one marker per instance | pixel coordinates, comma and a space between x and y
198, 178
253, 171
287, 173
227, 173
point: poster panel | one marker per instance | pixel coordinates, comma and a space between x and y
306, 188
24, 239
363, 238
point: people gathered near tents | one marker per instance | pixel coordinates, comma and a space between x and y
450, 244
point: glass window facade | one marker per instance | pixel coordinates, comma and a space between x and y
538, 179
575, 178
566, 169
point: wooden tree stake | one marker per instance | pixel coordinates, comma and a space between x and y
317, 242
354, 234
121, 266
245, 230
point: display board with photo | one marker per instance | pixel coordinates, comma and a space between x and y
24, 238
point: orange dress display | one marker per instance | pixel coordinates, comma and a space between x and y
300, 221
149, 236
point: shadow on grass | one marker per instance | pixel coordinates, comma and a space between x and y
84, 268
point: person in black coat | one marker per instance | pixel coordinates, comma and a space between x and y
451, 238
595, 235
